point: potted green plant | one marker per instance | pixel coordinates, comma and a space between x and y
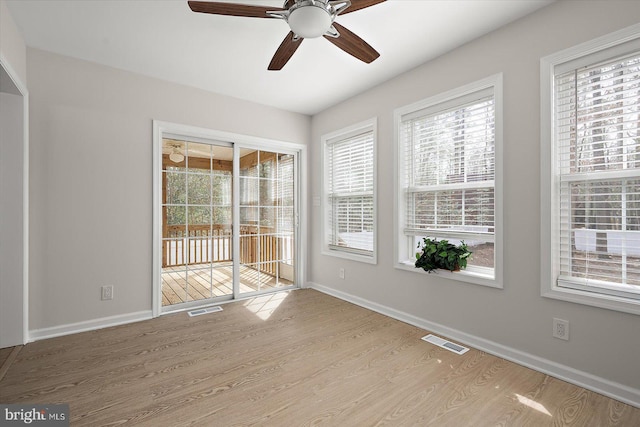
442, 254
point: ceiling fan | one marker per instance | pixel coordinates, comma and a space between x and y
307, 19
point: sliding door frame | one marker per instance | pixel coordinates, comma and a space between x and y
163, 130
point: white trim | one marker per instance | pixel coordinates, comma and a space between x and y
301, 216
89, 325
549, 224
463, 94
591, 47
445, 97
156, 295
161, 128
22, 88
612, 389
247, 141
235, 218
370, 125
471, 275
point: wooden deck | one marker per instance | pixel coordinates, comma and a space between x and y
181, 285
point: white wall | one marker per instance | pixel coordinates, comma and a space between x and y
13, 228
603, 343
12, 46
11, 211
91, 179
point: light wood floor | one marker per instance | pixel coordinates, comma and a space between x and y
291, 359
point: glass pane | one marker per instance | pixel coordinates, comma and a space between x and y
482, 253
175, 220
286, 245
267, 166
248, 162
249, 278
249, 191
174, 286
462, 210
221, 245
176, 188
352, 222
199, 216
285, 181
285, 220
268, 219
268, 192
221, 217
173, 252
600, 239
221, 189
199, 189
199, 249
221, 279
222, 159
198, 158
453, 146
173, 155
248, 245
265, 276
249, 216
199, 284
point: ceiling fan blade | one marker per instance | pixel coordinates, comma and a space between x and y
232, 9
284, 52
361, 4
353, 45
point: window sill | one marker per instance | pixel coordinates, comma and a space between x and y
594, 299
469, 275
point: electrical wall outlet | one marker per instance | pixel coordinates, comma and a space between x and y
107, 292
341, 273
561, 329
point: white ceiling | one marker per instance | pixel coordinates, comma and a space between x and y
229, 55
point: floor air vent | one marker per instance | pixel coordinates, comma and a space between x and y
458, 349
206, 310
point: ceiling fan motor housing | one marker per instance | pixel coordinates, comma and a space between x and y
310, 19
313, 18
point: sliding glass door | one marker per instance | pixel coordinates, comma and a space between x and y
197, 255
267, 220
205, 257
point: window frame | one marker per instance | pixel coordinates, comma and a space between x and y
370, 125
404, 255
609, 46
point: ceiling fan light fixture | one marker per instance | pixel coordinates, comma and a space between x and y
176, 156
310, 21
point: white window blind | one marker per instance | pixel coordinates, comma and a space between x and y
597, 132
350, 192
449, 171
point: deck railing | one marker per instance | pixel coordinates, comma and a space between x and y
201, 244
204, 244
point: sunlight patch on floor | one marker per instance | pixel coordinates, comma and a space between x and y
532, 404
264, 306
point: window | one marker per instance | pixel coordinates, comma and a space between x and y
591, 141
448, 176
350, 192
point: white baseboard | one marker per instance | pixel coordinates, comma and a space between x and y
588, 381
89, 325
